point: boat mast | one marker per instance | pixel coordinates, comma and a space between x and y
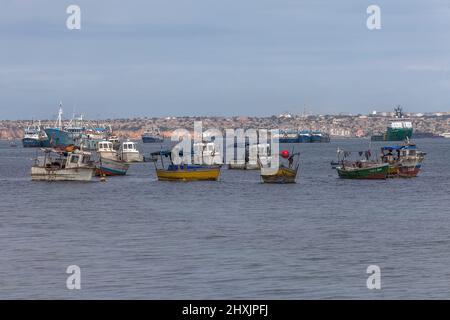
59, 119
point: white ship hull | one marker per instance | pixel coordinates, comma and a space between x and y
67, 174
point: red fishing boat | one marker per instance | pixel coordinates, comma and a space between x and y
404, 161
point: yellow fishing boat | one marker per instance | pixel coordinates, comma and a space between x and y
189, 173
184, 172
284, 174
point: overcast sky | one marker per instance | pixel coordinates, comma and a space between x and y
222, 57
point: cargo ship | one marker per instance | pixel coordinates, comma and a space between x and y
399, 129
303, 136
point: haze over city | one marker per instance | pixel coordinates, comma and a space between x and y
253, 57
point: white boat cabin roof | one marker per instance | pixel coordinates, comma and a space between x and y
128, 145
105, 145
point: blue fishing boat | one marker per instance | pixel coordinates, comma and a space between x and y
34, 137
77, 132
152, 135
57, 136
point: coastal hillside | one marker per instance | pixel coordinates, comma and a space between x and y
335, 125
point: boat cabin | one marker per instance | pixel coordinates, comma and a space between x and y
129, 146
105, 146
64, 160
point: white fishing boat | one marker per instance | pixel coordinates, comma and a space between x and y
109, 167
62, 165
129, 153
105, 150
115, 141
258, 154
109, 162
206, 153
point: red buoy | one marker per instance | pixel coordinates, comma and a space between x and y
285, 154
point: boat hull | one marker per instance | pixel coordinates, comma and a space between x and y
394, 134
288, 140
190, 174
305, 138
236, 166
152, 140
283, 175
377, 172
59, 138
392, 170
31, 143
408, 171
68, 174
110, 167
130, 157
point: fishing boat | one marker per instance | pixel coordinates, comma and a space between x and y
115, 141
237, 162
206, 153
129, 153
404, 161
34, 137
257, 154
152, 135
106, 150
236, 165
91, 137
183, 172
285, 173
77, 132
59, 136
110, 167
63, 165
361, 169
13, 144
109, 163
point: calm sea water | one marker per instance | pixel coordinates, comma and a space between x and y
135, 237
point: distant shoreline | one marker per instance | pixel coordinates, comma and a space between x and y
345, 126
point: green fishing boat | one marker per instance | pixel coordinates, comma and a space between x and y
360, 169
363, 170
